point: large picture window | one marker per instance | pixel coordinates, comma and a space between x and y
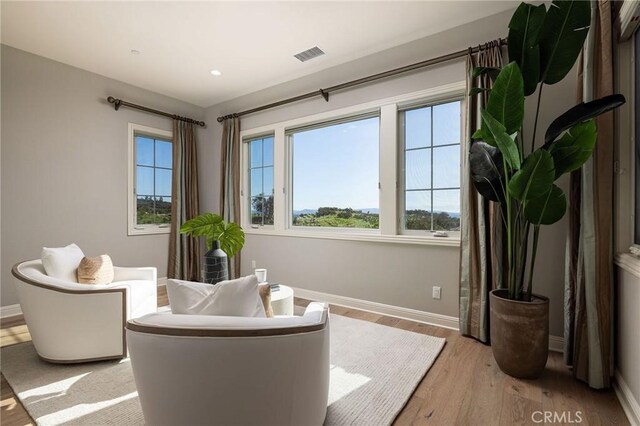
335, 174
386, 170
430, 137
261, 180
151, 162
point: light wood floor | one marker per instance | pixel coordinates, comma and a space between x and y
464, 386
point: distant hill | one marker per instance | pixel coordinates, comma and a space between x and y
372, 210
305, 211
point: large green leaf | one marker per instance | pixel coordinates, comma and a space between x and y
535, 178
574, 148
482, 134
231, 237
506, 102
524, 29
212, 227
579, 113
485, 164
546, 209
201, 225
565, 28
504, 141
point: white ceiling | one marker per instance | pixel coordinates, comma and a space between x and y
252, 43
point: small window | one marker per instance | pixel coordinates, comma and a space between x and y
430, 139
335, 174
261, 180
151, 162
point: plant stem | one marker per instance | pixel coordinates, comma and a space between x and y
521, 140
535, 123
525, 249
511, 283
536, 233
517, 254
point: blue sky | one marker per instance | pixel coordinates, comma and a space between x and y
337, 166
159, 154
427, 132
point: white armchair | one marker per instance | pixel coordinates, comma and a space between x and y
215, 370
71, 322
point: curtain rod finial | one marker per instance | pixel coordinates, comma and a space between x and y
115, 102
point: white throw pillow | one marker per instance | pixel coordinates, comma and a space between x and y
233, 298
62, 262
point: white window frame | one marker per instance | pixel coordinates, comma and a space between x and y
245, 181
625, 151
289, 194
401, 163
635, 67
389, 229
133, 227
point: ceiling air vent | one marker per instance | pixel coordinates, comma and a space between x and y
314, 52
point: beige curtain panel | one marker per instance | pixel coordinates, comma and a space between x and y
481, 265
184, 251
230, 181
589, 272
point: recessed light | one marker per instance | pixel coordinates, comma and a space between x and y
135, 52
216, 73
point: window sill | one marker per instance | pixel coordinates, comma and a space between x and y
149, 231
453, 241
629, 263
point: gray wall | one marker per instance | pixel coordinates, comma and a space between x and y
354, 269
65, 164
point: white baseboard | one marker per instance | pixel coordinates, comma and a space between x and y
162, 281
556, 343
628, 401
380, 308
10, 311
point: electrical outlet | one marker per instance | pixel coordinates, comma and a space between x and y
253, 264
436, 292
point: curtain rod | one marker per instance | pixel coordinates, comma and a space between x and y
325, 92
117, 103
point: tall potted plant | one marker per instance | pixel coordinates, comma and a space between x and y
223, 241
519, 174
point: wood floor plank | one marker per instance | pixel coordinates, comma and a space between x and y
463, 387
484, 403
388, 321
13, 335
11, 410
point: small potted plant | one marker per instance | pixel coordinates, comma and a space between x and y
519, 175
223, 241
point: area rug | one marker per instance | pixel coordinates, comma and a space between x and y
374, 371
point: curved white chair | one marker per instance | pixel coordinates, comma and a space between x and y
214, 370
71, 322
